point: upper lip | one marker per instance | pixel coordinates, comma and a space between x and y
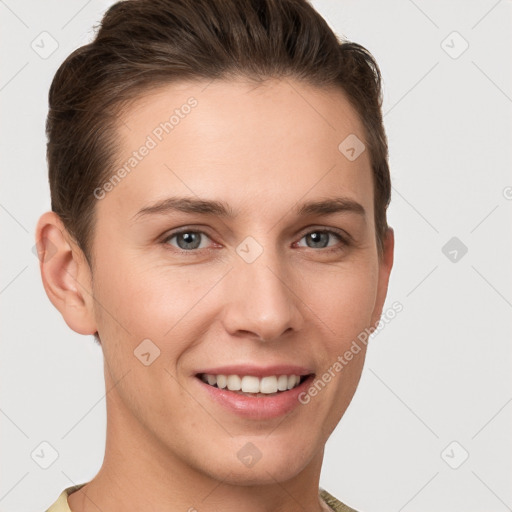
256, 371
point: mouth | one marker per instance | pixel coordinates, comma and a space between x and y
254, 392
253, 386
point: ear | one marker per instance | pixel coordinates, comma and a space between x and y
385, 266
65, 273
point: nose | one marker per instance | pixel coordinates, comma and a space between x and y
261, 298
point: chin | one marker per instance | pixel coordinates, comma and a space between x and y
254, 460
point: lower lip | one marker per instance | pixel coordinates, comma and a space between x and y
256, 407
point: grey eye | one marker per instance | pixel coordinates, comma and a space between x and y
187, 240
320, 239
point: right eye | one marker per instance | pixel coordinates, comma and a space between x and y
186, 240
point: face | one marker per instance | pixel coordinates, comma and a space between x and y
211, 257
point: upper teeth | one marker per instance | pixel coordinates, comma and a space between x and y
251, 384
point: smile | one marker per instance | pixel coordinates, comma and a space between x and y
251, 397
253, 386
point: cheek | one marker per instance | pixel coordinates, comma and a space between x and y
145, 297
343, 301
343, 298
141, 300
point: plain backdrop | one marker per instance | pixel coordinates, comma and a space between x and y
429, 427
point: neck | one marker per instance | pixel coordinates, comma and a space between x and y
139, 473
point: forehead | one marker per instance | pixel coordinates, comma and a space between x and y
253, 145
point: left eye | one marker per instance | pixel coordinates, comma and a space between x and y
320, 237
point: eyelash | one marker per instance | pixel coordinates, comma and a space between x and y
344, 240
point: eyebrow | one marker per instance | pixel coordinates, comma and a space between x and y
327, 206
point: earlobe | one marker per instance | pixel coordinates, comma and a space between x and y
385, 266
65, 274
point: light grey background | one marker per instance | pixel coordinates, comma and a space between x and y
436, 374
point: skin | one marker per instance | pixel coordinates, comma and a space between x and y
261, 150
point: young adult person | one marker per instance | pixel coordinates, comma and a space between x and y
219, 185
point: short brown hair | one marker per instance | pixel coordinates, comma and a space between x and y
142, 44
